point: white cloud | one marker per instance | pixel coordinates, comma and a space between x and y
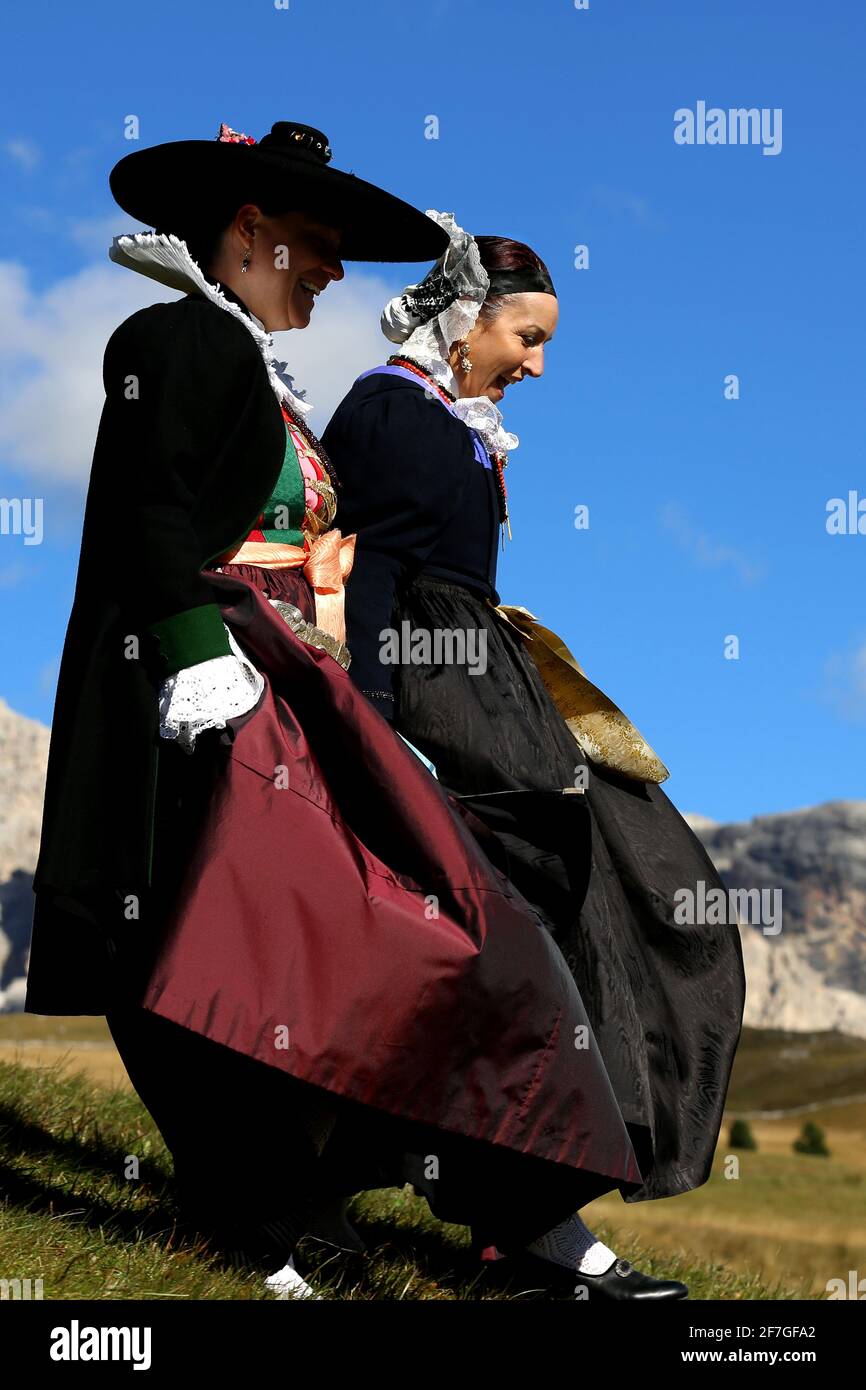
52, 344
343, 340
47, 677
25, 152
634, 206
52, 397
845, 682
704, 550
95, 234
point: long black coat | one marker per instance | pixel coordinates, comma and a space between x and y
189, 449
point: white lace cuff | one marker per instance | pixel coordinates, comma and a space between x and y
204, 696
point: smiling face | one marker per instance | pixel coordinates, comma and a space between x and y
293, 258
508, 347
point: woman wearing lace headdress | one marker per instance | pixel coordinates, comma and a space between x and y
315, 977
565, 783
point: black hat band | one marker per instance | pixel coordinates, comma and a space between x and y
527, 280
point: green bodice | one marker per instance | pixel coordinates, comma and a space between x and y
283, 513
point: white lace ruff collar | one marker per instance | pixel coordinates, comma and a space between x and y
165, 258
426, 347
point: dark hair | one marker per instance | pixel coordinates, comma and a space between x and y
501, 253
203, 235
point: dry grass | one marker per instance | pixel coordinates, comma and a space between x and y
774, 1224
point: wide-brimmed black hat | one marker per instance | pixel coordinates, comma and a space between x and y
187, 184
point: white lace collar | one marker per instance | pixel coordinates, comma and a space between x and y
425, 347
164, 257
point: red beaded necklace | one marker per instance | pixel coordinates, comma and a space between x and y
498, 460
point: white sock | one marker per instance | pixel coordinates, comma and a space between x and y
572, 1244
287, 1283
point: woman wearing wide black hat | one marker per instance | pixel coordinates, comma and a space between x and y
316, 979
513, 725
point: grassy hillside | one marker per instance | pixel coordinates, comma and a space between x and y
778, 1229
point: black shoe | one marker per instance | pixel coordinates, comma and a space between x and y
621, 1281
327, 1221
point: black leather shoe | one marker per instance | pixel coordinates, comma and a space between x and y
622, 1281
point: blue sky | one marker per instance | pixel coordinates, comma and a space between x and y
707, 515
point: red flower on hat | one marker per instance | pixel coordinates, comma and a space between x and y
234, 137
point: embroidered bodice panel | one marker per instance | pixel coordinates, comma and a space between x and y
303, 503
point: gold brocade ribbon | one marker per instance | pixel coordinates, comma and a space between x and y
327, 565
599, 727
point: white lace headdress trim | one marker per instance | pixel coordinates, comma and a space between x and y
429, 341
164, 257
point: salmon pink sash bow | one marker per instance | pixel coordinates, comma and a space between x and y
327, 564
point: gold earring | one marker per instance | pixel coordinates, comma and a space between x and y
463, 355
245, 263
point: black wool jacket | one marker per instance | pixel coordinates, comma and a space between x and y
421, 504
190, 446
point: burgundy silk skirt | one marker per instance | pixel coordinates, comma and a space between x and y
329, 911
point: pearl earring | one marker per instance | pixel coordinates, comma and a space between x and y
245, 263
463, 355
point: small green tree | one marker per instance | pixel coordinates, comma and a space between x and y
742, 1136
811, 1140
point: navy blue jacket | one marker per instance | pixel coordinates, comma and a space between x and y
421, 503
